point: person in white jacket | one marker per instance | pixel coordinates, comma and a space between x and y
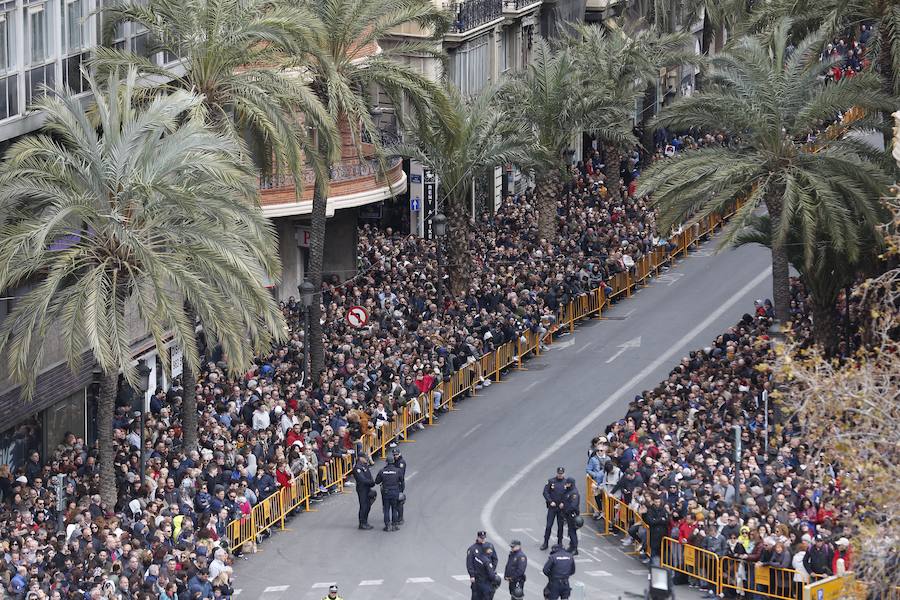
801, 575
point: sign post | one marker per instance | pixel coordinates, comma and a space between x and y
429, 190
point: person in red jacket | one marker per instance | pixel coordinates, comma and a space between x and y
295, 434
843, 552
686, 529
283, 474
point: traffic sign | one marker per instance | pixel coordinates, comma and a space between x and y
357, 316
415, 204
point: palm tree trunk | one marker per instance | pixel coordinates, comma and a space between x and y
106, 404
613, 173
548, 191
825, 321
456, 252
781, 285
889, 77
189, 398
314, 337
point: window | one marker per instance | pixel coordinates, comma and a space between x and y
9, 96
72, 77
76, 25
470, 66
7, 42
37, 79
37, 42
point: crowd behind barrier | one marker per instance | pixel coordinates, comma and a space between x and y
272, 443
665, 479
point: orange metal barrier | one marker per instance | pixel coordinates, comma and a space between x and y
622, 517
768, 582
692, 561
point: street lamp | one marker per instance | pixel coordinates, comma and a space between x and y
307, 296
440, 230
143, 384
660, 583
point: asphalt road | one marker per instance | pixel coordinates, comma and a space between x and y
484, 465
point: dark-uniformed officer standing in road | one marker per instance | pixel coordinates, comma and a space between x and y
365, 490
392, 486
400, 463
571, 509
554, 494
480, 547
485, 579
514, 573
559, 567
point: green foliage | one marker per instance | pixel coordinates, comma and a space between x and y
770, 100
118, 215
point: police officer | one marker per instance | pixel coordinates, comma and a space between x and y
514, 573
571, 509
479, 548
559, 567
554, 494
400, 463
485, 578
392, 486
332, 594
365, 489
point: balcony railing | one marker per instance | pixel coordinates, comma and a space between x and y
342, 171
472, 13
517, 5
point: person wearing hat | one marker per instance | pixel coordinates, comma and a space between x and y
400, 463
483, 574
840, 563
818, 558
332, 593
480, 547
554, 496
391, 481
514, 573
559, 567
365, 489
571, 510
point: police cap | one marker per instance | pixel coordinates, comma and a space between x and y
560, 470
515, 543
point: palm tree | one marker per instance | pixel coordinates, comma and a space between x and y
836, 16
625, 64
771, 101
237, 54
830, 267
116, 215
467, 141
551, 102
344, 67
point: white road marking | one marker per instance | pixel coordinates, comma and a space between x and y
629, 313
371, 582
588, 420
584, 560
602, 551
530, 385
591, 555
471, 431
410, 476
632, 343
638, 571
670, 278
564, 345
585, 347
237, 592
321, 584
281, 588
598, 573
420, 580
461, 577
526, 532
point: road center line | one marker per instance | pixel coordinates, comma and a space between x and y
530, 385
488, 510
585, 347
471, 431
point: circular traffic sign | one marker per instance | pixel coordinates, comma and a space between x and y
357, 316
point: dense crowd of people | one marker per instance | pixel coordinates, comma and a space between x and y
672, 460
165, 537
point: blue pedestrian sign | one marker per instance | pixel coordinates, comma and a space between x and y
415, 204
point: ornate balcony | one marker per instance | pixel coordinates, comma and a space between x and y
353, 183
515, 7
469, 15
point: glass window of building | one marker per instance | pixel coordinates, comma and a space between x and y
76, 24
37, 39
7, 42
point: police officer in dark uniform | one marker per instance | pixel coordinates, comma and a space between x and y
516, 564
559, 567
571, 509
484, 577
554, 494
480, 547
400, 463
365, 490
392, 486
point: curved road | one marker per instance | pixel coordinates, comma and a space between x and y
483, 466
